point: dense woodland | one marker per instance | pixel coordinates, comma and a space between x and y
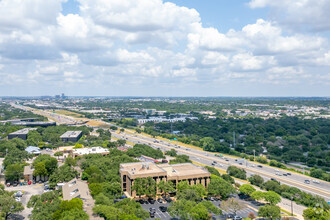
287, 139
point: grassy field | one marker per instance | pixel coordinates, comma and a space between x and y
68, 113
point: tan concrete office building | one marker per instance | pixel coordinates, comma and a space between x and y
167, 172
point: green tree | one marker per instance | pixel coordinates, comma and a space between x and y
236, 172
13, 172
8, 204
213, 170
40, 169
316, 213
220, 187
256, 180
208, 144
272, 197
247, 189
58, 154
270, 211
165, 187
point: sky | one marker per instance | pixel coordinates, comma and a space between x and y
165, 47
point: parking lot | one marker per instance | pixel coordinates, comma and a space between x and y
158, 214
28, 191
249, 207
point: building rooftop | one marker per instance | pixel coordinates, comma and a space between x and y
75, 189
90, 150
70, 134
23, 131
33, 150
183, 169
141, 169
145, 169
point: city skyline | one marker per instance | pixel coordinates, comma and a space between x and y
148, 48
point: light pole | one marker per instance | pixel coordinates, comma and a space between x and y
291, 206
254, 155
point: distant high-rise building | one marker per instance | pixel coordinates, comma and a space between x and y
63, 96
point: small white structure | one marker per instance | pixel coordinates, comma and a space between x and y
33, 150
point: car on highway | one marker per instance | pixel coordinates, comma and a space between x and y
307, 181
316, 181
259, 166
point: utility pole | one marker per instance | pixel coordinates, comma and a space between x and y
254, 155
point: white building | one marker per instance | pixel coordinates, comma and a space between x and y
90, 150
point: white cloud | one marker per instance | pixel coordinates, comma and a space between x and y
148, 43
298, 14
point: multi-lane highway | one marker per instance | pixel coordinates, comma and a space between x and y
315, 186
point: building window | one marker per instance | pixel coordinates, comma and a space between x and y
124, 178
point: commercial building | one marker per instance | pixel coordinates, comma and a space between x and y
90, 150
72, 136
20, 133
35, 124
176, 173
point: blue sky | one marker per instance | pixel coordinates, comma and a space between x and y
165, 48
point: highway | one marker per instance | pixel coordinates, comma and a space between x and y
322, 188
297, 180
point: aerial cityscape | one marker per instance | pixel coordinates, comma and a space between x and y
164, 109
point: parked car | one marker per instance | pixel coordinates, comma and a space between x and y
160, 200
141, 201
152, 214
163, 208
151, 201
237, 218
289, 174
8, 184
30, 182
169, 200
152, 210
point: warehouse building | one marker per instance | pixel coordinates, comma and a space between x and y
20, 133
72, 136
176, 173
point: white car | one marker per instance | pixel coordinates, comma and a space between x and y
18, 199
316, 181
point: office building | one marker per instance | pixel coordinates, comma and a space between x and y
176, 173
72, 136
20, 133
